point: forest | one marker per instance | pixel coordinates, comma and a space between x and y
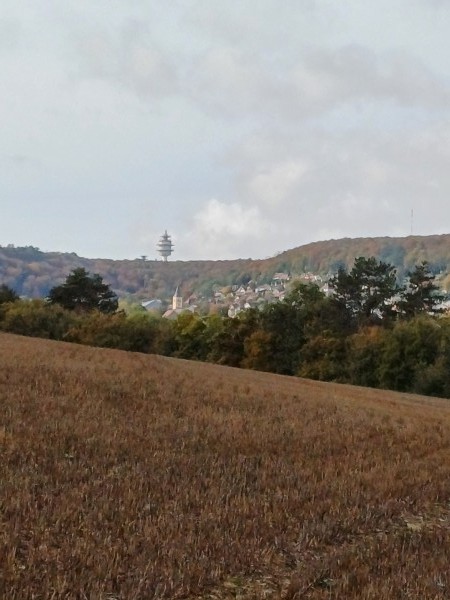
32, 272
371, 331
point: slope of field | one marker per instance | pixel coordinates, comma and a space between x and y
125, 476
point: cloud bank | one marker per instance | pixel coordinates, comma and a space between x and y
243, 133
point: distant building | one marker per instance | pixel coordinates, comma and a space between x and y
233, 310
327, 290
154, 305
177, 306
281, 277
177, 300
165, 246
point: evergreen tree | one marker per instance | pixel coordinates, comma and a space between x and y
367, 291
421, 295
7, 294
83, 293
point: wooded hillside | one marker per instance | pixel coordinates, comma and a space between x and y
32, 272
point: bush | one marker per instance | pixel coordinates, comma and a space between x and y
36, 318
137, 333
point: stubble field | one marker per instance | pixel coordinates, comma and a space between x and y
125, 476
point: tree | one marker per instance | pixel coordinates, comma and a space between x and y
305, 295
226, 337
189, 332
323, 357
364, 349
367, 290
320, 314
407, 350
258, 351
284, 322
421, 295
83, 293
7, 294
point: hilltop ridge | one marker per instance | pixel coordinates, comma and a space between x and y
32, 272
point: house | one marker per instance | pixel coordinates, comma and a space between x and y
262, 289
281, 277
327, 290
154, 305
234, 310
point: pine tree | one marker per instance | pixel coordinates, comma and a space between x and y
83, 293
421, 295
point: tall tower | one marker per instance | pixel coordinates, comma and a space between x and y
165, 246
177, 300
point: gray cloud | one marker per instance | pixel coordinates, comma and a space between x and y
353, 73
328, 186
269, 26
273, 127
235, 84
10, 32
127, 58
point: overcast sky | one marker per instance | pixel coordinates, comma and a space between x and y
243, 127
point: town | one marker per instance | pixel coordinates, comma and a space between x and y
232, 299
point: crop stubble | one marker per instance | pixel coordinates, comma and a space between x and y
138, 477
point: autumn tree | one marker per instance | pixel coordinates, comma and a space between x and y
258, 351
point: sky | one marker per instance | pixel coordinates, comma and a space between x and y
244, 128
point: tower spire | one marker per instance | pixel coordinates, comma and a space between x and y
177, 300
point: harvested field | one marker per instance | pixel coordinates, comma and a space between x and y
126, 476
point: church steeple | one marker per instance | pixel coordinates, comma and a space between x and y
177, 300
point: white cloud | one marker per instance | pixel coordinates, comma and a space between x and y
224, 230
355, 184
273, 185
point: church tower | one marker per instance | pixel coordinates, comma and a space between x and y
177, 300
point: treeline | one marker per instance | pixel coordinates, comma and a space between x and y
370, 332
32, 273
403, 253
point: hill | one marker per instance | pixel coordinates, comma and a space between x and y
133, 476
32, 272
